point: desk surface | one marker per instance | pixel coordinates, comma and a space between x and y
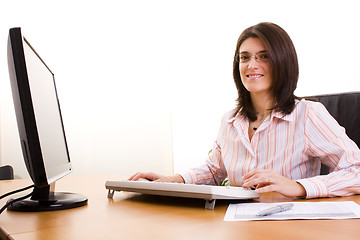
133, 216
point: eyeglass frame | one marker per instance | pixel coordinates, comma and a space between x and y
256, 55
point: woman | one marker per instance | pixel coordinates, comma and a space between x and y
273, 140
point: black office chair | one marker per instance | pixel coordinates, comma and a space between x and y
6, 173
345, 108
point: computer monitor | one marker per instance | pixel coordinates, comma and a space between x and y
40, 126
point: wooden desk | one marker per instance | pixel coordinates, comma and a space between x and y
132, 216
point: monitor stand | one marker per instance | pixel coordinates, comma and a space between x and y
45, 200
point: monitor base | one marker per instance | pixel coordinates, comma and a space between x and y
59, 201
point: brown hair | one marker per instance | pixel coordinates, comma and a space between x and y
283, 62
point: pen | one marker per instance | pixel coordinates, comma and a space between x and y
276, 209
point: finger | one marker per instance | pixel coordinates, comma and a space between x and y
249, 174
252, 181
260, 185
255, 172
265, 188
257, 178
134, 177
147, 175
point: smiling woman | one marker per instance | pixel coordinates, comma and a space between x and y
272, 140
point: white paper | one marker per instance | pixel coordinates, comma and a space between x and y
300, 210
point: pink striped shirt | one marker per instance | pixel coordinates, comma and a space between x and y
292, 145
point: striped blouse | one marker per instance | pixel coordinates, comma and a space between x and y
293, 145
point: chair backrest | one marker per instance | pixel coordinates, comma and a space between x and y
345, 108
6, 173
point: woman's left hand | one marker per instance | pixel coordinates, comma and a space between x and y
269, 181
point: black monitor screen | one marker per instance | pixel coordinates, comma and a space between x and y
39, 121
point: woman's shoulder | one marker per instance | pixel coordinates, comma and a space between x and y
311, 108
309, 104
229, 116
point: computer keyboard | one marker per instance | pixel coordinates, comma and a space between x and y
206, 192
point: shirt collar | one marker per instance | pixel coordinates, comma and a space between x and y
287, 117
233, 118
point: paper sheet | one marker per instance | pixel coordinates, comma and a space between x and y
300, 210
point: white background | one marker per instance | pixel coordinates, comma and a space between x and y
143, 84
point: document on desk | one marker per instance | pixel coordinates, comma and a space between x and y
300, 210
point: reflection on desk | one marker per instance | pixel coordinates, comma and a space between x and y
136, 216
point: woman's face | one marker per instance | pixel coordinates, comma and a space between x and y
254, 66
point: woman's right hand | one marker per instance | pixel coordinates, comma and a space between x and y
155, 177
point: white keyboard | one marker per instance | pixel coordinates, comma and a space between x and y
206, 192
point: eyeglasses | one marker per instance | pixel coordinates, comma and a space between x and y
246, 57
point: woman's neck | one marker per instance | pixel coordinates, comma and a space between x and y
262, 103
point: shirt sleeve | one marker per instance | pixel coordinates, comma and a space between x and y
213, 171
327, 140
